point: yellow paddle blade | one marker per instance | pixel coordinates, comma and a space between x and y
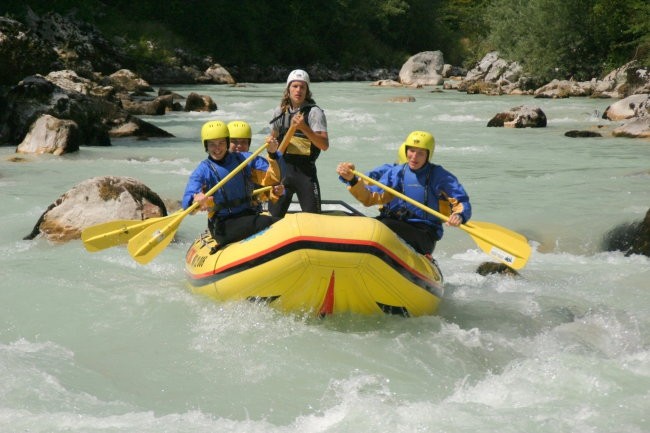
147, 244
113, 233
505, 245
153, 239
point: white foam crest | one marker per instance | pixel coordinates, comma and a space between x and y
511, 389
598, 334
360, 401
463, 150
154, 161
554, 388
244, 105
118, 256
181, 171
458, 118
221, 322
637, 363
471, 338
596, 259
194, 421
239, 333
560, 120
350, 116
32, 373
22, 347
17, 247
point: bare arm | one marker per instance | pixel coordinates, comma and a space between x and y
319, 139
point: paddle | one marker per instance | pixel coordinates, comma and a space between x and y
505, 245
287, 138
118, 232
113, 233
146, 245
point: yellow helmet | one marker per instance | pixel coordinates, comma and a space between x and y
401, 154
420, 139
212, 130
239, 129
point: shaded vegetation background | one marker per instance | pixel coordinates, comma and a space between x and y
582, 39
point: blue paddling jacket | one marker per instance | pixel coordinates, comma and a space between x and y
235, 196
431, 185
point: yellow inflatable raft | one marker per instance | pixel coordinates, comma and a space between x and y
321, 264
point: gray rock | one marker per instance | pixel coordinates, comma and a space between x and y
523, 116
487, 268
95, 201
632, 238
51, 135
423, 69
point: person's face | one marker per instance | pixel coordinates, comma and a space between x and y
239, 144
416, 157
217, 148
297, 92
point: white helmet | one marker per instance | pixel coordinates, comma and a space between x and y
298, 75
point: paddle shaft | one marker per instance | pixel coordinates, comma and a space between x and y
119, 232
229, 176
287, 138
506, 245
399, 195
151, 241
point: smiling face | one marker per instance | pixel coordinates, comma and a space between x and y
298, 92
416, 157
217, 148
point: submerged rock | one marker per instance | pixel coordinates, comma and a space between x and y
523, 116
630, 238
487, 268
574, 133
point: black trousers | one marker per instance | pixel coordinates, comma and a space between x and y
418, 235
235, 228
301, 180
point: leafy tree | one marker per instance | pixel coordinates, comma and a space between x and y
578, 39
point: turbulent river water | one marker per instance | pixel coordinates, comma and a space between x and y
98, 343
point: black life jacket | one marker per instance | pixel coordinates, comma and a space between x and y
287, 116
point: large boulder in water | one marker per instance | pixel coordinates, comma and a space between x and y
423, 69
628, 108
51, 135
632, 238
95, 201
523, 116
97, 118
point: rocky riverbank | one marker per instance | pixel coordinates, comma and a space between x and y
65, 85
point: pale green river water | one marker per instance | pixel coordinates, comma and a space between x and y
95, 343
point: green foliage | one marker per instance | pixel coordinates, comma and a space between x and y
578, 39
550, 38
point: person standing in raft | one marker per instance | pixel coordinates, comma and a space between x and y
232, 213
299, 159
420, 180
